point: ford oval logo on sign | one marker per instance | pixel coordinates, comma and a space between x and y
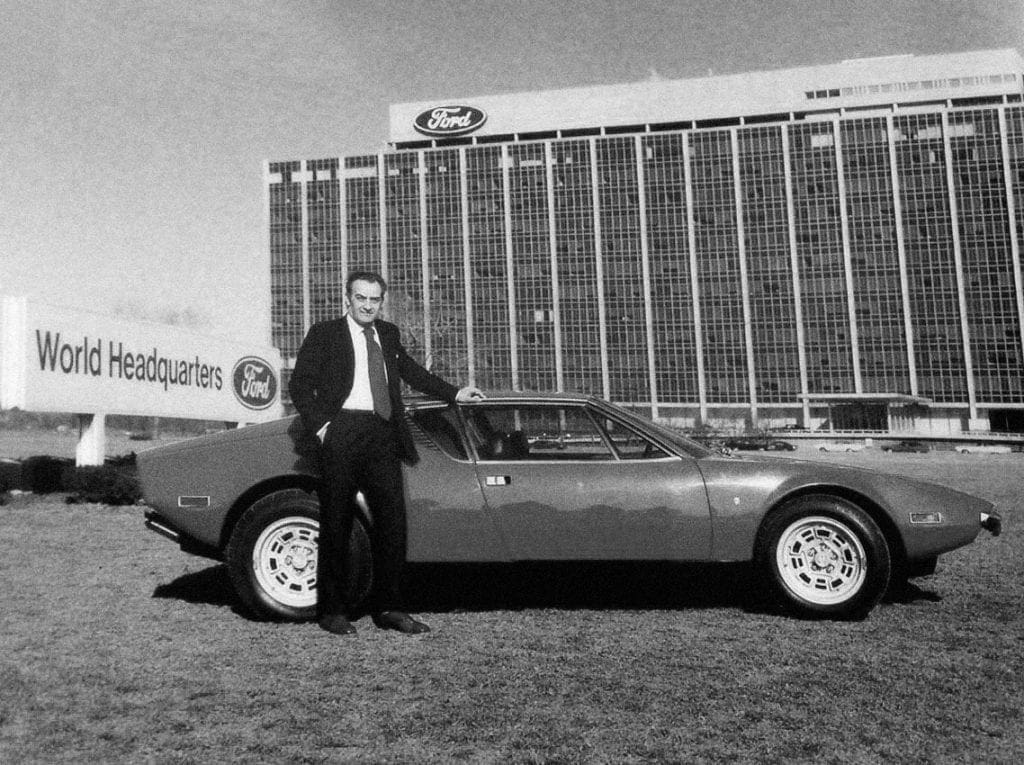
254, 382
449, 120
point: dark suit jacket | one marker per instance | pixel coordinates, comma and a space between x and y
324, 367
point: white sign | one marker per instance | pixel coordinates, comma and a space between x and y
55, 359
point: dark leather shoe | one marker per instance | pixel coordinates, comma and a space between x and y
337, 624
400, 622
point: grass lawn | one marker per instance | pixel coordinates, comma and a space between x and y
117, 647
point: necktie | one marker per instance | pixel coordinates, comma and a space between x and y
378, 378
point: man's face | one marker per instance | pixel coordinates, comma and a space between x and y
365, 301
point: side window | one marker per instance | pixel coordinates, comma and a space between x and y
629, 444
537, 432
441, 429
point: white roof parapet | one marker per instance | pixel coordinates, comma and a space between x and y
847, 84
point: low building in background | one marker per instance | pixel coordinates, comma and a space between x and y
833, 244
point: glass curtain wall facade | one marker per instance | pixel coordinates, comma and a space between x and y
743, 267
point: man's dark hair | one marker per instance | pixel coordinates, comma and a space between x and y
365, 276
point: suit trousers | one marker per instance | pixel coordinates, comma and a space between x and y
360, 453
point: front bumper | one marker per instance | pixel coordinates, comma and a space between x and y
992, 523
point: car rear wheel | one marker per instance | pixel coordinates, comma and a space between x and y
272, 556
824, 557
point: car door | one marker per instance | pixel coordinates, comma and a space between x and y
447, 518
565, 482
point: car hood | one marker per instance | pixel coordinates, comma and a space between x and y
777, 476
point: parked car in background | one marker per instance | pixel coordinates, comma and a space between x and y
840, 446
919, 447
983, 448
531, 477
759, 444
744, 443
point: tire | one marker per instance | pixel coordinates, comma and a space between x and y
271, 556
824, 557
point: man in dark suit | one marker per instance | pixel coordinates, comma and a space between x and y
346, 388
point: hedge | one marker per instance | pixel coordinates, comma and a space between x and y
113, 483
108, 485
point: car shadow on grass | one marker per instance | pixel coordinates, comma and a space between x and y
597, 586
616, 585
455, 587
906, 593
211, 586
605, 586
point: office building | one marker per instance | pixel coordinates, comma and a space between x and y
830, 244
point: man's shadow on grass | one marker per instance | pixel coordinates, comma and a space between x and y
453, 587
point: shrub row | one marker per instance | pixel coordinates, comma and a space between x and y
113, 483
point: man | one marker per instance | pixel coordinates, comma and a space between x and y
346, 388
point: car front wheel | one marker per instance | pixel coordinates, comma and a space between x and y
272, 556
824, 557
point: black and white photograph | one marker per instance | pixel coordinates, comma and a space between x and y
594, 381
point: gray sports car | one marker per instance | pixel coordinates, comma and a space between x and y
529, 477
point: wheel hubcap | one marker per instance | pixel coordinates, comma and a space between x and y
821, 560
284, 561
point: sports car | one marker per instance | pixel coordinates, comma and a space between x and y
983, 448
840, 446
748, 443
536, 477
918, 447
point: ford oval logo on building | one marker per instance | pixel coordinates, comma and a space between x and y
447, 121
254, 382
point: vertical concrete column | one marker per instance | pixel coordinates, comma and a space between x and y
556, 313
428, 344
382, 213
602, 308
844, 220
698, 329
645, 266
268, 263
513, 328
343, 215
304, 176
958, 261
467, 272
92, 439
901, 255
794, 263
741, 237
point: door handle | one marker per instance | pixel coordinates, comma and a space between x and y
498, 480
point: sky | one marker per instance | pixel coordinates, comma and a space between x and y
133, 133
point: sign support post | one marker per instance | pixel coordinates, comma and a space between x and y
92, 439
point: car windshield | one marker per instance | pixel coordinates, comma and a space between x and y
676, 438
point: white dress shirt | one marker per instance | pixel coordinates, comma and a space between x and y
360, 397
